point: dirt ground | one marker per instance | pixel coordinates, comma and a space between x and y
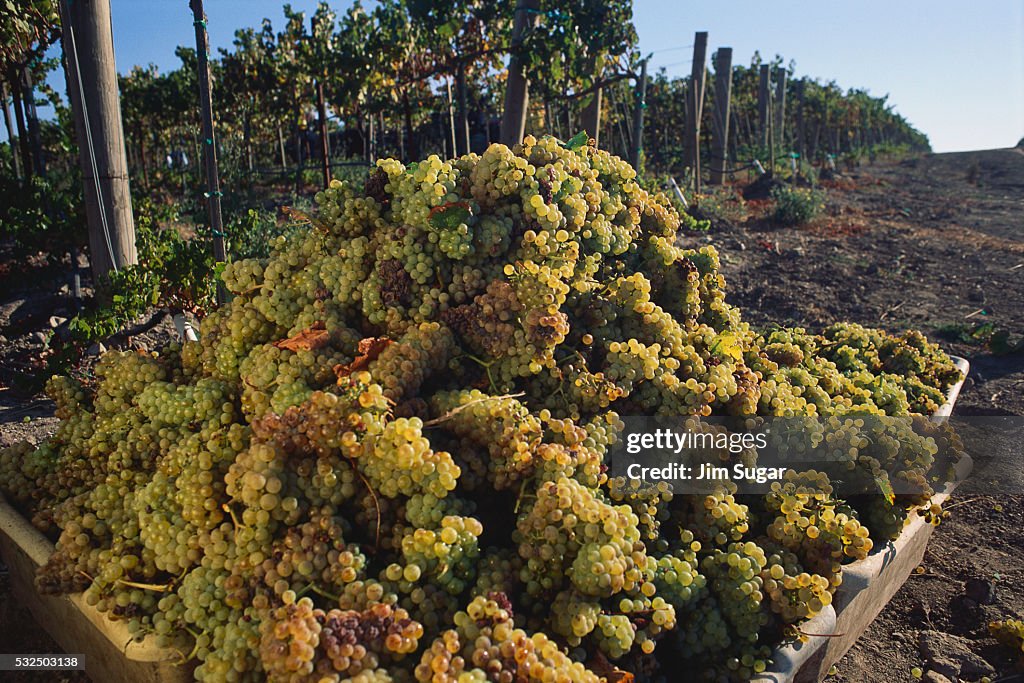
934, 243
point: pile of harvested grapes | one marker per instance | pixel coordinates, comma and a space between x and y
385, 457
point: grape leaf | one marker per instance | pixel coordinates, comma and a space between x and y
577, 141
563, 191
368, 350
886, 489
600, 665
729, 345
449, 216
309, 339
303, 217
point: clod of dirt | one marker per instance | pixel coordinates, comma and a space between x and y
762, 187
980, 591
964, 605
951, 656
935, 677
945, 668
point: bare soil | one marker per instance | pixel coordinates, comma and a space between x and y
929, 243
934, 243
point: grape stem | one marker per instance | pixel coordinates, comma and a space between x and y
195, 646
234, 520
574, 354
184, 657
324, 594
519, 498
960, 502
487, 368
159, 588
818, 635
376, 502
458, 409
523, 495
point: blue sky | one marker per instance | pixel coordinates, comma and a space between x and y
956, 71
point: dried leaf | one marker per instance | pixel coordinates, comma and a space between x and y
368, 349
600, 665
309, 339
303, 217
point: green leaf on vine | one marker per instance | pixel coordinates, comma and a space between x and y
449, 216
577, 141
886, 489
728, 344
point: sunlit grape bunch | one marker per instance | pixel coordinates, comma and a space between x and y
387, 457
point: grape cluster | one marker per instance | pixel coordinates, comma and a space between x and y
1010, 633
300, 642
485, 645
395, 436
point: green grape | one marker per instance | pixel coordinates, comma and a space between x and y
386, 457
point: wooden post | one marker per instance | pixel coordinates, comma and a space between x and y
771, 135
247, 139
800, 118
590, 119
300, 150
401, 142
325, 149
280, 144
451, 118
210, 151
92, 85
321, 112
638, 118
720, 120
763, 107
517, 90
779, 114
695, 106
462, 128
371, 154
625, 134
15, 159
410, 132
142, 156
19, 121
32, 119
